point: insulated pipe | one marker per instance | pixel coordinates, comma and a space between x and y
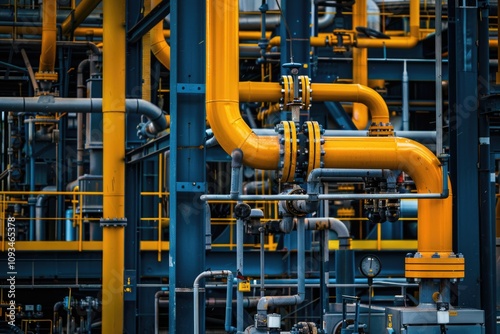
159, 45
49, 38
196, 298
271, 92
78, 15
158, 121
113, 138
273, 301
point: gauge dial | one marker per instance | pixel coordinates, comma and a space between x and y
370, 266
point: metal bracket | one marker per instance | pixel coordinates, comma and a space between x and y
186, 88
113, 222
191, 187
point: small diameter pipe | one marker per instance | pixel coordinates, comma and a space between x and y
332, 224
48, 103
229, 290
158, 294
273, 301
406, 99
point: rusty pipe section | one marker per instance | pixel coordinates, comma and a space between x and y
46, 74
159, 45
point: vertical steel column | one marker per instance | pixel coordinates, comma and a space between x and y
487, 223
295, 31
187, 161
113, 108
463, 102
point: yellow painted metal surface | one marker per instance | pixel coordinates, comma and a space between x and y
434, 267
113, 128
360, 65
434, 215
49, 38
222, 91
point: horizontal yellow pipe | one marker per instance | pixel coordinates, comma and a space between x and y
271, 92
434, 215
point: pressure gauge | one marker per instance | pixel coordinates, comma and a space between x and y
370, 266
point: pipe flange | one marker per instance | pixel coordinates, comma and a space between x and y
435, 267
290, 206
381, 130
288, 150
113, 222
305, 92
46, 76
315, 142
286, 92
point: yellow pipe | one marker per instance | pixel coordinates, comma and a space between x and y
49, 38
397, 42
159, 45
271, 92
113, 108
222, 93
434, 215
344, 152
78, 15
359, 65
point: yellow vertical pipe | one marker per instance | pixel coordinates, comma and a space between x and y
498, 51
222, 91
359, 65
113, 108
49, 39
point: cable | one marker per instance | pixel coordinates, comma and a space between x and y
287, 30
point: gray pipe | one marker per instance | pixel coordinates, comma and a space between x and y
406, 99
414, 135
158, 294
332, 224
50, 104
80, 93
273, 301
41, 203
196, 297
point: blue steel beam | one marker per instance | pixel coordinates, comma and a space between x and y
187, 161
156, 15
464, 139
